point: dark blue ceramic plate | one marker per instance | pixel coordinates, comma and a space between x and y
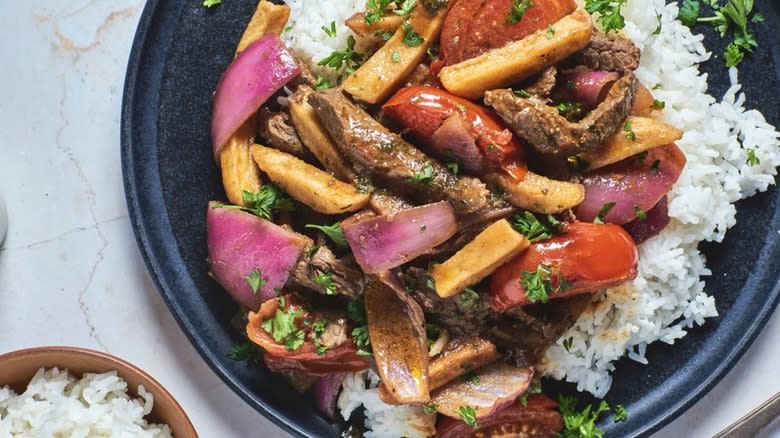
179, 53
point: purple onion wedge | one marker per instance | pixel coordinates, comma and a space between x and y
586, 87
245, 250
380, 243
326, 391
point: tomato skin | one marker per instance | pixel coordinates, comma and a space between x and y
305, 359
423, 109
588, 256
475, 27
537, 419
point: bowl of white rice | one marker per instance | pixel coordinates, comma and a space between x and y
75, 392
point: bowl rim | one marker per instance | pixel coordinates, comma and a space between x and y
149, 382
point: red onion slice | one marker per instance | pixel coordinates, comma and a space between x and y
326, 391
657, 219
240, 244
486, 392
634, 184
455, 141
256, 74
380, 243
587, 87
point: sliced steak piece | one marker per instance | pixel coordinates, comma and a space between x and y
460, 356
550, 133
277, 130
346, 276
544, 83
385, 156
385, 203
609, 53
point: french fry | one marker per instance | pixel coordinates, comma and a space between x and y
539, 194
478, 259
643, 103
650, 133
319, 190
519, 60
373, 31
316, 138
268, 18
239, 171
386, 69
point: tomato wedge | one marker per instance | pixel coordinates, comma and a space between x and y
304, 359
422, 110
538, 419
475, 27
585, 258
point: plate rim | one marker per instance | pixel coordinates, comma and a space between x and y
134, 81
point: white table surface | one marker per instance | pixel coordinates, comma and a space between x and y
70, 271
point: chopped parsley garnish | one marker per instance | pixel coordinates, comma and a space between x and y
610, 17
534, 388
362, 340
334, 233
325, 279
406, 8
432, 331
628, 128
521, 93
318, 328
658, 29
578, 163
364, 184
542, 283
424, 177
210, 3
347, 59
470, 377
567, 343
255, 281
640, 214
734, 15
247, 352
356, 311
536, 229
550, 32
518, 10
468, 298
752, 159
330, 30
395, 57
268, 200
375, 9
411, 38
580, 424
605, 209
620, 413
570, 110
469, 416
658, 104
283, 328
321, 83
453, 167
430, 409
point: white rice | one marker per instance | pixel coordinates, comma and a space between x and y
57, 405
668, 296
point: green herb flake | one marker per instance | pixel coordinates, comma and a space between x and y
321, 83
255, 281
658, 104
640, 214
610, 17
283, 329
406, 8
580, 424
362, 340
211, 3
605, 209
270, 199
534, 228
469, 416
346, 59
620, 413
752, 159
375, 9
567, 343
411, 38
395, 57
521, 93
540, 284
628, 128
334, 233
689, 12
550, 32
468, 298
658, 28
356, 311
424, 177
330, 31
470, 377
517, 11
430, 409
246, 352
325, 279
734, 15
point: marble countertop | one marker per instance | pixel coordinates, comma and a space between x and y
70, 271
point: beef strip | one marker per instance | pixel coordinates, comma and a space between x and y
386, 157
544, 83
550, 133
345, 274
276, 129
385, 203
608, 52
523, 334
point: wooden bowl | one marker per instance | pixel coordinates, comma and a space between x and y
19, 367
